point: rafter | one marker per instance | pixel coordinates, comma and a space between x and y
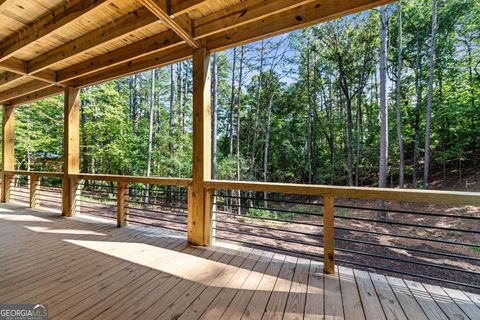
46, 25
181, 25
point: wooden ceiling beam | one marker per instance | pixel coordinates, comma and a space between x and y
299, 17
178, 7
114, 30
9, 77
22, 90
20, 68
36, 95
181, 25
156, 43
46, 25
240, 14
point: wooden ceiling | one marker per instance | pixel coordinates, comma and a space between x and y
46, 45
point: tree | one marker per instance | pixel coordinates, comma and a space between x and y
431, 76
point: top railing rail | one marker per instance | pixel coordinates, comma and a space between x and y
108, 177
35, 173
419, 196
135, 179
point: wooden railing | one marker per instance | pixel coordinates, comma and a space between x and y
329, 194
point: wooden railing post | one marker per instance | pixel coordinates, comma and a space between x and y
71, 151
34, 191
328, 235
198, 216
8, 149
122, 210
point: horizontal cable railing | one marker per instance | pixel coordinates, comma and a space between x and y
153, 201
429, 236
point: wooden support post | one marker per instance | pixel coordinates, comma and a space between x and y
122, 210
199, 218
34, 191
328, 235
8, 150
71, 146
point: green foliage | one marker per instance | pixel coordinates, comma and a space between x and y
269, 214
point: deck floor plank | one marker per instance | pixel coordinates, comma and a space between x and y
352, 304
429, 306
333, 297
449, 307
409, 304
464, 302
88, 269
371, 303
315, 293
390, 304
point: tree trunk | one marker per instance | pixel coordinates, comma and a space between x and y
309, 118
239, 98
418, 106
267, 145
428, 119
151, 113
214, 114
349, 142
382, 176
401, 167
232, 103
257, 113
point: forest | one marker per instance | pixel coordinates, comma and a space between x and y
389, 97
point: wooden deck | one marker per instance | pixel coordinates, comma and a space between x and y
85, 269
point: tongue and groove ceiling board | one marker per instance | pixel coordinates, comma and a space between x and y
46, 45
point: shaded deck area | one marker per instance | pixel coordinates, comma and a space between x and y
86, 269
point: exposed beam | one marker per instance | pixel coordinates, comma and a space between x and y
240, 14
22, 90
14, 65
160, 59
20, 67
293, 19
36, 95
181, 26
162, 41
111, 31
46, 25
178, 7
9, 77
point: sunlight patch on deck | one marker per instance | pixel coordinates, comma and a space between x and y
182, 265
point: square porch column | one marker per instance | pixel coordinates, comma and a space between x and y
8, 150
200, 200
71, 152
